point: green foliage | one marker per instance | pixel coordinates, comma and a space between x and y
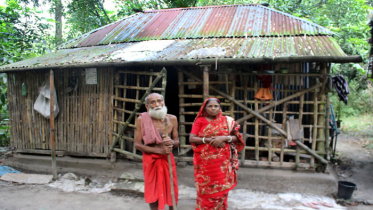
22, 36
84, 16
4, 113
21, 33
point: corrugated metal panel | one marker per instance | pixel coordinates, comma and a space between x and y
200, 22
97, 36
187, 49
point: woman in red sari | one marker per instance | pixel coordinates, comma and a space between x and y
215, 141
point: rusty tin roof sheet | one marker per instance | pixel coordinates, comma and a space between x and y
186, 50
228, 21
188, 36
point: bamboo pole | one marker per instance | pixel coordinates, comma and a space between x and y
321, 118
170, 170
206, 82
327, 129
233, 92
181, 109
137, 107
243, 152
256, 133
321, 131
52, 131
322, 160
270, 130
314, 135
127, 153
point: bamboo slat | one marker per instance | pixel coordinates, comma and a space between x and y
256, 127
270, 130
136, 88
243, 153
327, 129
314, 136
149, 73
233, 92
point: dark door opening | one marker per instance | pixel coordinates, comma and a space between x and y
172, 92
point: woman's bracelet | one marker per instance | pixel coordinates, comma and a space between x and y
230, 139
203, 140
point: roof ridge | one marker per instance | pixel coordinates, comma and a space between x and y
201, 7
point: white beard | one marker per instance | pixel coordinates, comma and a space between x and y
158, 113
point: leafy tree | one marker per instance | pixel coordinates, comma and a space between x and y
21, 33
85, 15
4, 113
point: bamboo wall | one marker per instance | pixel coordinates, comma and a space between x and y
90, 118
264, 145
84, 123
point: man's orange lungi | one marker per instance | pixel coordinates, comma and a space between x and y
157, 179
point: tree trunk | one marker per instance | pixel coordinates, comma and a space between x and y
58, 19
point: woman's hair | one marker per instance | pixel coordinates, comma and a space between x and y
212, 99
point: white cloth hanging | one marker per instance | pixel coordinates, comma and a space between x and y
42, 103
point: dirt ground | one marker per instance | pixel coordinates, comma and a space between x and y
352, 163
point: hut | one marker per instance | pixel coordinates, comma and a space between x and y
187, 54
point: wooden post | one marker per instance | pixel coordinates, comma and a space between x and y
284, 110
182, 109
327, 131
256, 126
314, 135
113, 155
243, 152
206, 80
270, 129
52, 131
321, 117
232, 91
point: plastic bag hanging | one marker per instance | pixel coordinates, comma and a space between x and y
42, 103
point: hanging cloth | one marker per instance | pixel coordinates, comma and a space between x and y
264, 92
341, 86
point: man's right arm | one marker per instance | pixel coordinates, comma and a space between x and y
140, 146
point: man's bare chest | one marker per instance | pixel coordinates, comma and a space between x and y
161, 126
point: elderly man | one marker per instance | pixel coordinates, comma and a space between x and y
150, 138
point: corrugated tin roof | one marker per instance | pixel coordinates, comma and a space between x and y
189, 50
200, 22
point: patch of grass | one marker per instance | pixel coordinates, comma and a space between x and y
362, 125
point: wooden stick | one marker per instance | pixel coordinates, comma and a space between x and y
181, 110
243, 152
256, 133
327, 125
314, 135
170, 170
206, 83
52, 131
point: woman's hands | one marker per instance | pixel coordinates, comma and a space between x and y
218, 141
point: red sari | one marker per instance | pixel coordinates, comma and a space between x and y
214, 168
